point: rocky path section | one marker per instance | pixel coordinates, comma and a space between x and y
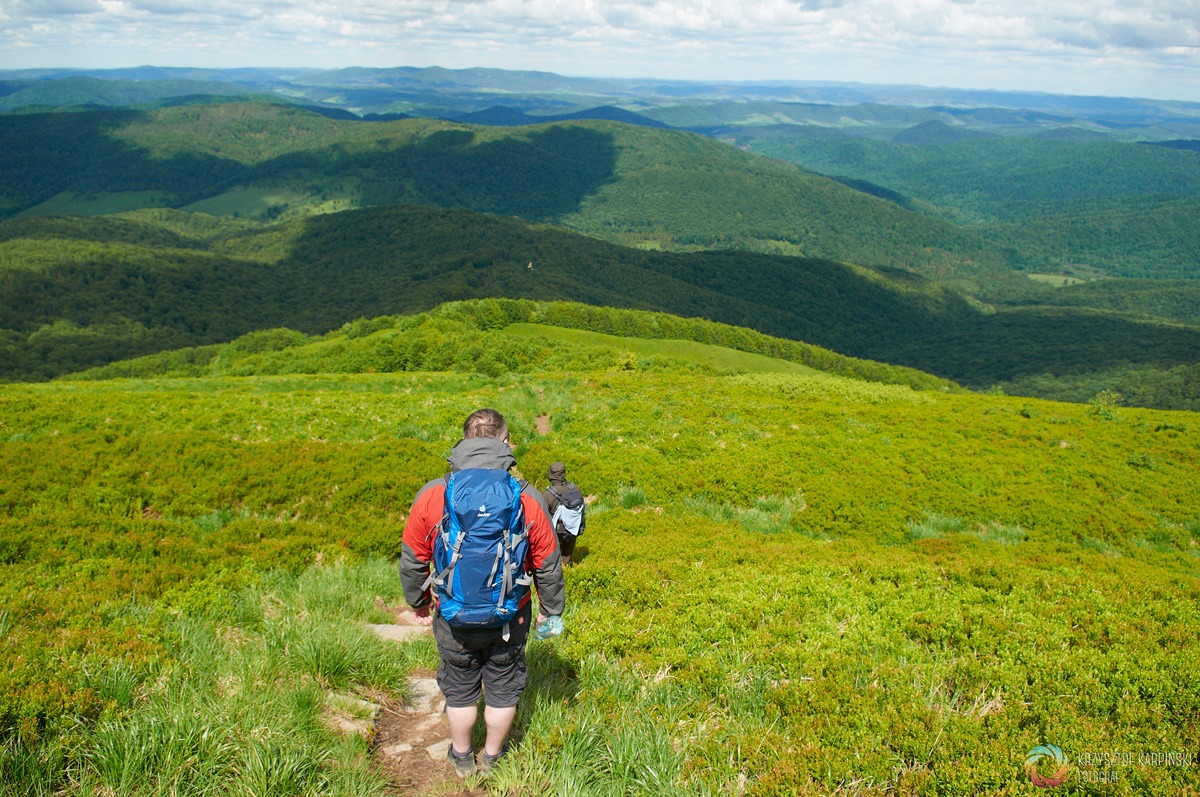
410, 740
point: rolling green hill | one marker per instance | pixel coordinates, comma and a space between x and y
623, 183
82, 90
161, 280
1123, 209
496, 337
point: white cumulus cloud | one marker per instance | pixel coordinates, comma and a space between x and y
1031, 44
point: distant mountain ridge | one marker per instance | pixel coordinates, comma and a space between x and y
91, 91
1023, 201
503, 116
436, 91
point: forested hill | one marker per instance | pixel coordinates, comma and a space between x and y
1085, 207
627, 184
80, 292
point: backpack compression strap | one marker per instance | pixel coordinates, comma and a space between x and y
511, 541
443, 530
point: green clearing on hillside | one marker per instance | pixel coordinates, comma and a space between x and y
789, 584
1056, 280
266, 203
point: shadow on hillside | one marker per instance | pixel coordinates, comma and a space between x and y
47, 154
540, 175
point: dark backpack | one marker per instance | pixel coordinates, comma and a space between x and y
570, 509
480, 550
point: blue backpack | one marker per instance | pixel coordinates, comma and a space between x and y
480, 551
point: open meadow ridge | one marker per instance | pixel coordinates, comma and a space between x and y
791, 583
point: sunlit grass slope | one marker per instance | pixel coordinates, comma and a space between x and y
790, 584
721, 359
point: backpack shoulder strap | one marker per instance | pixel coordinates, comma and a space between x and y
442, 530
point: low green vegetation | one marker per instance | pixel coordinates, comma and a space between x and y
790, 583
721, 359
494, 337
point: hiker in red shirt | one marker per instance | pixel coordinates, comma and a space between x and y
481, 641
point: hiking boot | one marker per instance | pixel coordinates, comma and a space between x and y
464, 765
486, 762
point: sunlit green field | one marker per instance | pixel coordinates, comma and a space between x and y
790, 583
1056, 280
270, 202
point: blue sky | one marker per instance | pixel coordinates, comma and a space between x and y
1139, 48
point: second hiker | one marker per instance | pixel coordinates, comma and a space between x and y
568, 512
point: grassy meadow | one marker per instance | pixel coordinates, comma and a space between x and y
791, 583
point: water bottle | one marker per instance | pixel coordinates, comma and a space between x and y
548, 628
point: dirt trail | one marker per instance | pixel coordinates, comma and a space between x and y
410, 740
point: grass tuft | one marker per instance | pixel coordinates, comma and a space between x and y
934, 525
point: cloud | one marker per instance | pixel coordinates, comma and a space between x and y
51, 8
881, 40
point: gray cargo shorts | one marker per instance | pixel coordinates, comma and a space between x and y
479, 663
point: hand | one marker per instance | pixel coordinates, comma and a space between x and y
541, 617
423, 615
